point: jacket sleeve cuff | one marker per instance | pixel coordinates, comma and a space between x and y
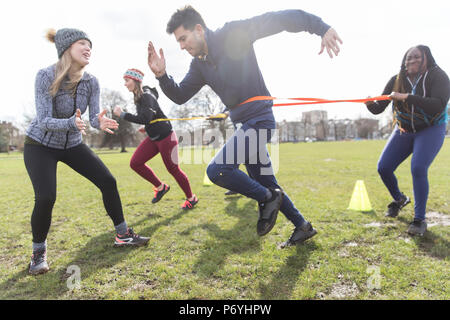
324, 28
163, 78
72, 124
412, 99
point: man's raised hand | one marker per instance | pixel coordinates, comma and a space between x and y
156, 63
330, 41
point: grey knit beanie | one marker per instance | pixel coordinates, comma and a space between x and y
65, 37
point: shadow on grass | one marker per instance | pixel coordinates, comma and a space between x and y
431, 243
96, 255
11, 289
282, 284
371, 212
241, 238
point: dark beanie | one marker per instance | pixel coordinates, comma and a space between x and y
64, 38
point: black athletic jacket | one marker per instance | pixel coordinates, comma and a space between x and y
426, 104
148, 109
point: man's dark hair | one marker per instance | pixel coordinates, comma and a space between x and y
187, 17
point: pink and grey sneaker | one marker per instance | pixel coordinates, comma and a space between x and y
130, 239
38, 264
188, 205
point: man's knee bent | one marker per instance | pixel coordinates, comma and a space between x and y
216, 171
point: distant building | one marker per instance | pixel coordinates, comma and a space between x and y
313, 117
315, 126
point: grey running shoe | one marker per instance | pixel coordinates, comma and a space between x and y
395, 206
417, 227
130, 239
38, 264
268, 212
300, 235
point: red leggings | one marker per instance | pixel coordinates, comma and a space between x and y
168, 147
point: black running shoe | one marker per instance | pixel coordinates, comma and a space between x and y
417, 227
130, 239
300, 235
268, 212
188, 205
395, 206
160, 194
38, 264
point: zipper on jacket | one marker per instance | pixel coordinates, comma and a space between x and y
74, 111
51, 135
413, 92
42, 140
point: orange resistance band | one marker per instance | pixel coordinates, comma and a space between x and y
260, 98
311, 100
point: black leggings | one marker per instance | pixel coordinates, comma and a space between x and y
41, 163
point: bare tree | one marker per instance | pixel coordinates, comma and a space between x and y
4, 139
366, 127
10, 136
126, 131
28, 115
185, 111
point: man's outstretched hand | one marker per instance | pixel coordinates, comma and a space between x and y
330, 41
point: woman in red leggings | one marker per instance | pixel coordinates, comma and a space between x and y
161, 139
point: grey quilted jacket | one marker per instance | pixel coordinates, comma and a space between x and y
54, 125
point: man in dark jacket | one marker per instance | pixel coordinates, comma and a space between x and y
225, 60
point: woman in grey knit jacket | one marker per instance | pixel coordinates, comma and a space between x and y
63, 92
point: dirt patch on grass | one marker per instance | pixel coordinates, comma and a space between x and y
142, 286
343, 290
373, 225
407, 240
343, 252
379, 225
433, 219
438, 219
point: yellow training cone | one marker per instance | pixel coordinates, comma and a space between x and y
206, 181
360, 199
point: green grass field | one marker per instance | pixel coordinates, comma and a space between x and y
213, 251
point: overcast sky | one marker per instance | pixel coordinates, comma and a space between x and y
376, 34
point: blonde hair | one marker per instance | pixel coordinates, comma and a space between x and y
63, 67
